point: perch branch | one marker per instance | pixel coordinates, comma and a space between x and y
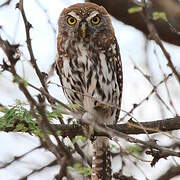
128, 128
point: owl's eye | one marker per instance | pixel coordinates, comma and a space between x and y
71, 20
95, 20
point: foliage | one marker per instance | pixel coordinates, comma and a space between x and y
18, 119
155, 15
135, 9
135, 149
82, 139
18, 79
86, 171
159, 16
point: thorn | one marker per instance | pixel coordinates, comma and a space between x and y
17, 6
44, 76
131, 121
29, 25
4, 66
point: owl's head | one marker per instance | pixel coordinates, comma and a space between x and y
85, 21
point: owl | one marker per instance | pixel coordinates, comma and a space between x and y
90, 71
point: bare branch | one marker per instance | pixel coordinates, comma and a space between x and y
155, 126
153, 34
7, 2
42, 121
28, 26
16, 158
173, 171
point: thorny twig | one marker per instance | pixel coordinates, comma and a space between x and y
170, 173
28, 26
16, 158
166, 86
153, 34
156, 126
42, 121
50, 164
155, 150
155, 89
147, 97
7, 2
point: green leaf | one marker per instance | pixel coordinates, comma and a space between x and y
19, 119
53, 114
25, 82
82, 139
135, 9
86, 171
135, 149
18, 79
3, 109
159, 16
20, 127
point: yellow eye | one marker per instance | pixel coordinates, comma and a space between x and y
95, 20
71, 20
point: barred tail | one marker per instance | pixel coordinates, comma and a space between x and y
101, 163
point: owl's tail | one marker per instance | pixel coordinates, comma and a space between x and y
101, 163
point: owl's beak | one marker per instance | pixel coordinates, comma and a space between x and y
83, 29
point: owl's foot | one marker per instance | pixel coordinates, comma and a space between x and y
88, 125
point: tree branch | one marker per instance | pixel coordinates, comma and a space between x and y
28, 26
59, 150
7, 2
170, 173
128, 128
153, 34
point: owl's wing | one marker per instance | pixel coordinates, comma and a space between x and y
58, 70
119, 75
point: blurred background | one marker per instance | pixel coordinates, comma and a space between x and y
144, 67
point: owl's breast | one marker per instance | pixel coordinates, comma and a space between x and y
89, 76
73, 73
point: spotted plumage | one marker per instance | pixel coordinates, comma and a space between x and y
89, 67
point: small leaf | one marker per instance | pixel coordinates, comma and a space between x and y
18, 118
20, 127
25, 82
86, 171
18, 79
82, 139
135, 9
159, 15
134, 149
53, 114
